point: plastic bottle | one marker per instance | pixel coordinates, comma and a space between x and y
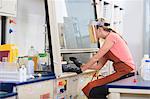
32, 53
24, 73
30, 67
146, 57
20, 74
145, 67
145, 71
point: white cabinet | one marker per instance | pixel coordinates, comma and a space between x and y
37, 90
8, 7
70, 86
83, 80
66, 88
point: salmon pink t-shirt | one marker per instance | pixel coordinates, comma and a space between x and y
120, 49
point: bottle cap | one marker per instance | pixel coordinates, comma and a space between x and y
146, 56
29, 58
42, 54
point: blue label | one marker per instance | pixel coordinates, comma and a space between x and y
147, 60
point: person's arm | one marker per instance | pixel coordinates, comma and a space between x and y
103, 50
98, 65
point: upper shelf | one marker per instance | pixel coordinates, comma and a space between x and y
84, 50
8, 8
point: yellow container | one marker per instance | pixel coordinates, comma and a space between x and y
12, 49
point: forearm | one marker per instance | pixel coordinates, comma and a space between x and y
96, 66
96, 58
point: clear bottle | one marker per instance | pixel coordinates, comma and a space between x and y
30, 67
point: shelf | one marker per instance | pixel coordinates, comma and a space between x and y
8, 8
85, 50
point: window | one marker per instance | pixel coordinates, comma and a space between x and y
74, 23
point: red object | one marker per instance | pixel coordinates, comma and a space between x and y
134, 80
3, 54
12, 21
60, 83
45, 96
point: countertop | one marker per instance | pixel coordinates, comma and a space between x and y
34, 80
134, 82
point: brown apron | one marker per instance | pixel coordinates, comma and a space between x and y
120, 68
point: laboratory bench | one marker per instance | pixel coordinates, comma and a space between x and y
129, 88
37, 88
69, 85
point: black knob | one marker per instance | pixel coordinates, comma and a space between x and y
77, 62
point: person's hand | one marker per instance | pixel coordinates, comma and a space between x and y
84, 67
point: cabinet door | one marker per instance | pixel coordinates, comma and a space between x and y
83, 80
38, 90
8, 7
72, 87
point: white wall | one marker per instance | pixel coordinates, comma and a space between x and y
133, 27
30, 20
61, 10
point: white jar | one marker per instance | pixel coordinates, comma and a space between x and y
146, 57
145, 70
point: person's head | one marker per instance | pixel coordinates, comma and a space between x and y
102, 28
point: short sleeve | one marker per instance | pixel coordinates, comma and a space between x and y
112, 37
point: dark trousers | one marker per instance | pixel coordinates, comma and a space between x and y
99, 92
